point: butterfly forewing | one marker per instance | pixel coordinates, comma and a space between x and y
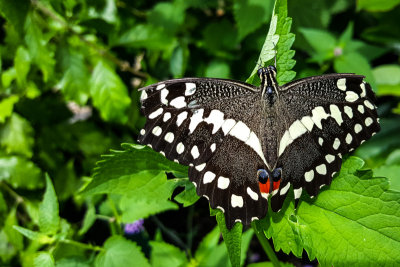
211, 125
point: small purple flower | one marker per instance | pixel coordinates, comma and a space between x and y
134, 228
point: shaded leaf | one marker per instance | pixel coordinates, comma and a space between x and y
49, 220
109, 93
166, 255
120, 252
20, 173
7, 106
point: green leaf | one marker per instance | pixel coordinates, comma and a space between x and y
136, 164
387, 79
43, 259
148, 199
49, 220
15, 12
32, 235
169, 16
179, 60
40, 50
220, 36
22, 64
354, 63
355, 221
146, 36
188, 196
7, 106
73, 261
322, 42
249, 15
277, 43
13, 236
207, 246
377, 5
232, 238
109, 93
392, 172
17, 136
218, 69
89, 219
20, 173
75, 81
120, 252
166, 255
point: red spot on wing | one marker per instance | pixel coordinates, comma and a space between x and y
276, 184
264, 188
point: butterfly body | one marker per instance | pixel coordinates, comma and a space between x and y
247, 145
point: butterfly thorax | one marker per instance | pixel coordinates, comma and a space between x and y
269, 85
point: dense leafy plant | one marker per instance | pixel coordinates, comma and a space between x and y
69, 74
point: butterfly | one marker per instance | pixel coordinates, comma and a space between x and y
246, 145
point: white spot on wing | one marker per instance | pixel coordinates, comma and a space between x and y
180, 148
284, 189
167, 116
200, 167
297, 193
164, 93
348, 111
181, 117
318, 115
341, 84
336, 114
196, 118
336, 143
143, 96
307, 122
178, 102
156, 113
329, 158
227, 126
320, 141
212, 147
285, 141
236, 201
142, 132
368, 104
223, 182
216, 118
361, 109
357, 128
195, 152
321, 169
297, 129
160, 86
363, 93
157, 131
190, 89
255, 144
252, 194
351, 96
208, 177
368, 121
240, 131
309, 176
349, 138
169, 137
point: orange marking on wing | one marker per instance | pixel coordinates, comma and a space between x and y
276, 185
264, 188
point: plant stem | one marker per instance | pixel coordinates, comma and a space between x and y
267, 247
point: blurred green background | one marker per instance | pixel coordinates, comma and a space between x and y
70, 71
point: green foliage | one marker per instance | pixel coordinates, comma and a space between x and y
68, 94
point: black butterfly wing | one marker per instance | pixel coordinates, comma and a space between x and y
324, 117
212, 126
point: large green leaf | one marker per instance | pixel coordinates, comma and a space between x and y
136, 164
20, 173
109, 93
49, 221
120, 252
166, 255
7, 106
277, 44
17, 136
377, 5
354, 221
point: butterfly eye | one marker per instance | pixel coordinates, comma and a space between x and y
272, 68
276, 174
260, 71
262, 176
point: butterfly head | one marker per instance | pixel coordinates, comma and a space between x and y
268, 82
